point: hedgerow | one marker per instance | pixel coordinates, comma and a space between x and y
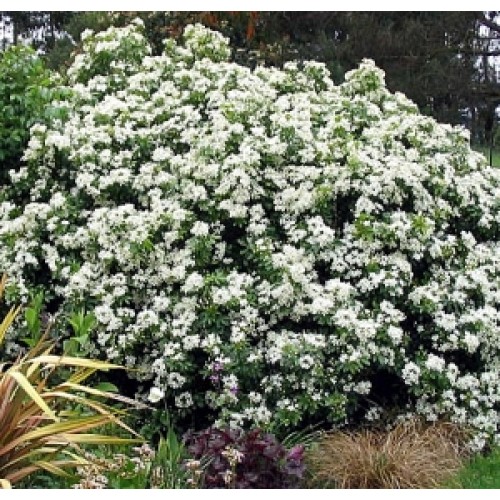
263, 245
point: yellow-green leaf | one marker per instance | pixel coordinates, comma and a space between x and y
4, 484
7, 321
97, 392
71, 361
55, 430
31, 392
98, 439
54, 469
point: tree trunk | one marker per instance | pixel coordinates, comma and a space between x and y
52, 39
15, 31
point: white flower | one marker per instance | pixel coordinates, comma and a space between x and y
155, 395
471, 341
200, 229
396, 334
411, 373
435, 363
193, 282
184, 400
306, 361
86, 33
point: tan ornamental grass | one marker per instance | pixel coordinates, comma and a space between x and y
411, 455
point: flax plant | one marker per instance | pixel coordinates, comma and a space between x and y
39, 427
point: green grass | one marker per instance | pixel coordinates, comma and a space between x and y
482, 472
486, 152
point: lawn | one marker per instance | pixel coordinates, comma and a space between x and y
482, 472
486, 151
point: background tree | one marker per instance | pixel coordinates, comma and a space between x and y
40, 28
444, 61
26, 90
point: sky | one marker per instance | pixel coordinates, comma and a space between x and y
5, 32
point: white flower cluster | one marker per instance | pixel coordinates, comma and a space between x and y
264, 243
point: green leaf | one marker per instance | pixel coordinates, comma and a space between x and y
33, 320
107, 387
71, 347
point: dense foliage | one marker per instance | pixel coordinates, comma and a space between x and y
25, 92
263, 245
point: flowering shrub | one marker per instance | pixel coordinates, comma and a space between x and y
263, 244
251, 459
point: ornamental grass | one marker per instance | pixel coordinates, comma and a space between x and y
411, 455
